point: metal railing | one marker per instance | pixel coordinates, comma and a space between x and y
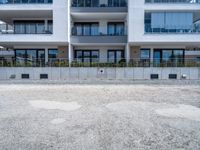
99, 3
98, 31
22, 29
193, 29
95, 62
26, 1
174, 1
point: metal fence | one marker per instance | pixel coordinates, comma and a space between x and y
95, 62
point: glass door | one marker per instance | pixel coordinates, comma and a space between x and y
86, 56
157, 57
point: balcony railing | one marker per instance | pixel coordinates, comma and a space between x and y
193, 29
26, 1
63, 62
28, 29
174, 1
99, 3
98, 31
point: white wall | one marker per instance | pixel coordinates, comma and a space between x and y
95, 73
59, 10
60, 19
136, 24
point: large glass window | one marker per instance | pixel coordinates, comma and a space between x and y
168, 57
115, 56
30, 57
32, 27
87, 55
180, 22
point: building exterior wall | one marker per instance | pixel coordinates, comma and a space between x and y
136, 11
71, 74
63, 20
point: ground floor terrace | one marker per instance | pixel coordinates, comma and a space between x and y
99, 56
100, 116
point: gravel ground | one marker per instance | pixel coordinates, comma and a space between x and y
99, 117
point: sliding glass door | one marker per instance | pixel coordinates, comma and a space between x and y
87, 56
168, 57
30, 57
115, 56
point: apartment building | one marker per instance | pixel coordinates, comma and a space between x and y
140, 33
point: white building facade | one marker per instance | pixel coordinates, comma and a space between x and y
142, 33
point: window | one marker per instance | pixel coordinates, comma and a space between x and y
117, 3
144, 57
52, 53
115, 56
116, 28
32, 57
145, 54
50, 26
86, 29
85, 3
87, 55
29, 27
168, 22
198, 59
169, 57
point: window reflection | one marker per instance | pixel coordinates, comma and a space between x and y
30, 57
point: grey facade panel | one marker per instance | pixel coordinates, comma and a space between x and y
99, 39
99, 9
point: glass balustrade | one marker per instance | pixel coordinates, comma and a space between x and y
99, 3
99, 31
192, 29
174, 1
26, 1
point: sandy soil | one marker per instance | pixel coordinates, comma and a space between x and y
99, 117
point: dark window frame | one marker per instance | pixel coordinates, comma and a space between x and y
87, 50
26, 55
115, 55
172, 49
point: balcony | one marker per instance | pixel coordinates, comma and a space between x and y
174, 1
25, 29
99, 35
26, 2
99, 6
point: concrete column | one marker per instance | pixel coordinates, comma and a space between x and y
70, 51
127, 52
103, 26
46, 24
46, 55
151, 57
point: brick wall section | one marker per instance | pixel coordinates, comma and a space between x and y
63, 52
135, 53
